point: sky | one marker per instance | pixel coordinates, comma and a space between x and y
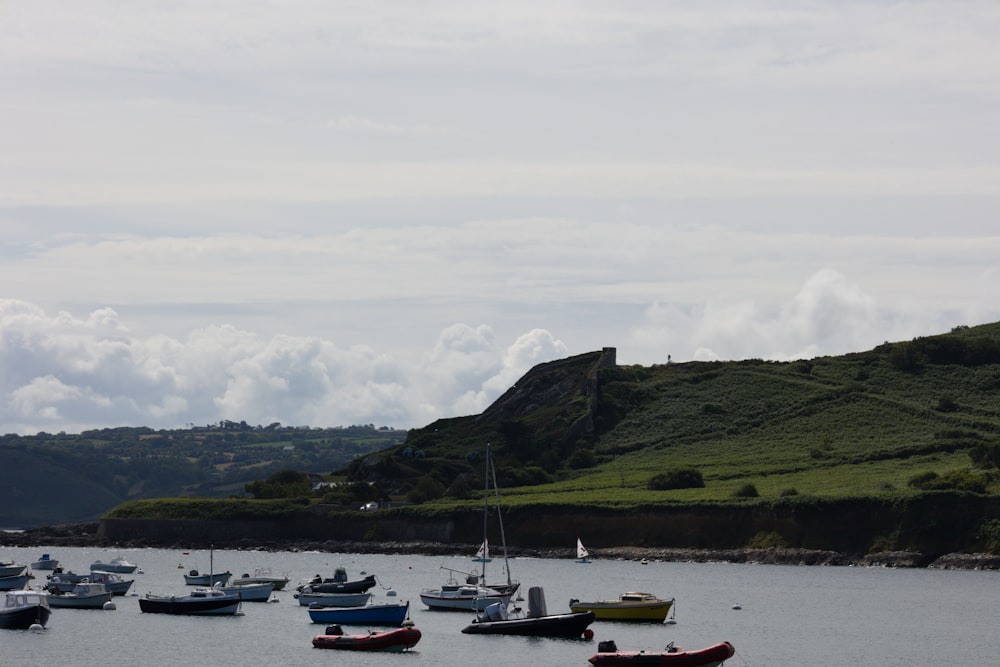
326, 213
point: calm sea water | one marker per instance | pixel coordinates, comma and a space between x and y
790, 616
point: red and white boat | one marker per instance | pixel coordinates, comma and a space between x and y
396, 640
713, 656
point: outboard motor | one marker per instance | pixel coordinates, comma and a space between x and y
607, 646
334, 630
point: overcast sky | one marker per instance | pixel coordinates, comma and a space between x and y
324, 213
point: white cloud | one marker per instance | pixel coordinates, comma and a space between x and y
318, 211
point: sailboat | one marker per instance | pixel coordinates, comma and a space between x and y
213, 578
511, 586
582, 555
483, 555
476, 594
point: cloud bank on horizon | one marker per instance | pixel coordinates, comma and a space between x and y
329, 212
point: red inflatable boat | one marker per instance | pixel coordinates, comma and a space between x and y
398, 639
608, 654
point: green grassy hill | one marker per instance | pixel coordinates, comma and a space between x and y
895, 421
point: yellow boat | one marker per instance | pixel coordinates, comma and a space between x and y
631, 606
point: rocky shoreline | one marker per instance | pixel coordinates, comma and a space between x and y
86, 535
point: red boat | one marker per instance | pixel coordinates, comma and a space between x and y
397, 639
608, 654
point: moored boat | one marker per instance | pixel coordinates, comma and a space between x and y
195, 578
495, 620
262, 575
397, 640
209, 579
83, 596
608, 655
15, 582
9, 568
118, 565
632, 606
390, 613
199, 602
64, 583
307, 599
453, 596
24, 608
339, 583
45, 562
250, 592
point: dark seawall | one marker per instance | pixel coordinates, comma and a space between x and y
933, 524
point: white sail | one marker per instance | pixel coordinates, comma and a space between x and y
581, 551
483, 555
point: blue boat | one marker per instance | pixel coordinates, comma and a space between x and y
390, 613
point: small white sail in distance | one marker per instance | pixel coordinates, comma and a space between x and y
483, 555
582, 555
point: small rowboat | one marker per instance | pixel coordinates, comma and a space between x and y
608, 655
396, 640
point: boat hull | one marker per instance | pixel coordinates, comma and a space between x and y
74, 601
23, 609
376, 614
250, 593
555, 625
358, 586
14, 583
83, 596
277, 583
630, 607
45, 564
183, 606
713, 656
333, 599
9, 569
114, 583
116, 566
22, 619
397, 640
215, 579
456, 603
635, 614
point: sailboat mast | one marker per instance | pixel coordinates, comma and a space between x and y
486, 507
503, 536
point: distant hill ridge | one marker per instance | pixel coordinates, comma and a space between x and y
895, 448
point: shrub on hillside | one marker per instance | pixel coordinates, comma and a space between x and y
282, 484
746, 490
986, 454
957, 480
678, 478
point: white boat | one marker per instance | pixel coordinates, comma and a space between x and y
250, 592
262, 575
582, 555
82, 596
22, 609
9, 568
117, 565
454, 596
307, 598
115, 583
46, 562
